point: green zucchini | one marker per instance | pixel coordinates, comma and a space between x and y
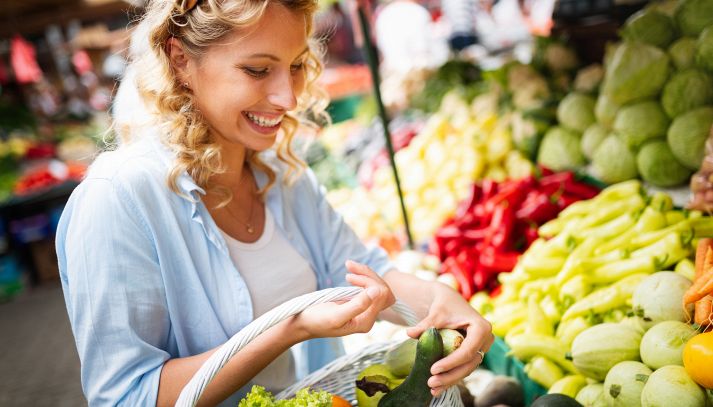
414, 391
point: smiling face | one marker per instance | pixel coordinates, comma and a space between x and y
244, 85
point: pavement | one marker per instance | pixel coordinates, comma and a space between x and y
39, 365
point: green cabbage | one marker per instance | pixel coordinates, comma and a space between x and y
592, 138
605, 111
683, 53
640, 122
687, 90
651, 27
576, 111
560, 151
636, 71
658, 166
688, 134
692, 16
613, 161
704, 50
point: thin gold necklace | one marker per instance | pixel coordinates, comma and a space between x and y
248, 225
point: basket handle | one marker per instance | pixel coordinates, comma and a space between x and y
194, 389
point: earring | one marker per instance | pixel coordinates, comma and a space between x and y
185, 85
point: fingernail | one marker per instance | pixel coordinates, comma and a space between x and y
436, 370
372, 292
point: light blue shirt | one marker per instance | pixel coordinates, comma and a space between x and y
147, 276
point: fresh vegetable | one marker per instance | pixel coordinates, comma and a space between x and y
576, 111
399, 360
651, 27
692, 16
658, 298
671, 386
704, 50
613, 161
340, 402
624, 384
688, 134
685, 91
259, 397
683, 53
703, 312
605, 111
568, 385
592, 395
686, 268
597, 349
637, 71
639, 122
373, 383
555, 400
662, 345
592, 138
560, 150
658, 166
452, 340
698, 359
414, 390
589, 78
543, 371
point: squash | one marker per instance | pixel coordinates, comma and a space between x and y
624, 384
658, 298
599, 348
663, 344
592, 395
671, 386
698, 359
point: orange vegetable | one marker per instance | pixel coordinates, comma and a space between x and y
698, 289
703, 262
698, 359
340, 402
704, 311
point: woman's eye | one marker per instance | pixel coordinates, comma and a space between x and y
297, 67
256, 72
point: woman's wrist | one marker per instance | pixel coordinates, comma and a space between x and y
294, 330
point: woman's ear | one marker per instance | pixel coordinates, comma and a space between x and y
179, 59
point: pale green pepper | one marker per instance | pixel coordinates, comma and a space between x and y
573, 265
605, 299
506, 317
568, 385
575, 289
543, 371
686, 268
551, 308
569, 329
613, 227
650, 220
647, 239
675, 216
661, 201
527, 346
620, 190
615, 271
611, 210
537, 321
668, 251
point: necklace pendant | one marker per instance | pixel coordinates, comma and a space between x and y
250, 229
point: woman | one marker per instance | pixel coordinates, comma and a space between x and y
203, 219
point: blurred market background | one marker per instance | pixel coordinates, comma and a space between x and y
506, 117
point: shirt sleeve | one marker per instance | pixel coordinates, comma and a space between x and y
340, 242
114, 294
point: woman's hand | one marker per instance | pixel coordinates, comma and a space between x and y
449, 310
357, 315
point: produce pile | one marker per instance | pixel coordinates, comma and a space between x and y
456, 147
588, 302
259, 397
652, 112
498, 222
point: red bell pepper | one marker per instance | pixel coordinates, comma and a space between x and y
538, 208
498, 261
465, 281
501, 227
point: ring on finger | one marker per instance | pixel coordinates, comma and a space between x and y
482, 355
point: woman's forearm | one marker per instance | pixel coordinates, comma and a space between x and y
245, 365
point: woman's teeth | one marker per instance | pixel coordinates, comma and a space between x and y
263, 121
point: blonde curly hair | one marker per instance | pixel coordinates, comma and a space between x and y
171, 105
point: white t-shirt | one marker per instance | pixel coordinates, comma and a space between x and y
274, 273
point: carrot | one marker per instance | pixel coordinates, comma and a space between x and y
704, 311
697, 290
702, 251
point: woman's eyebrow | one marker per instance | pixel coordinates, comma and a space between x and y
274, 57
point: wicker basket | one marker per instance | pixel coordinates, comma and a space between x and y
337, 377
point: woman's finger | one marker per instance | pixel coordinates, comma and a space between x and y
351, 309
452, 376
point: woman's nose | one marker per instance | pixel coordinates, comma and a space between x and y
284, 93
